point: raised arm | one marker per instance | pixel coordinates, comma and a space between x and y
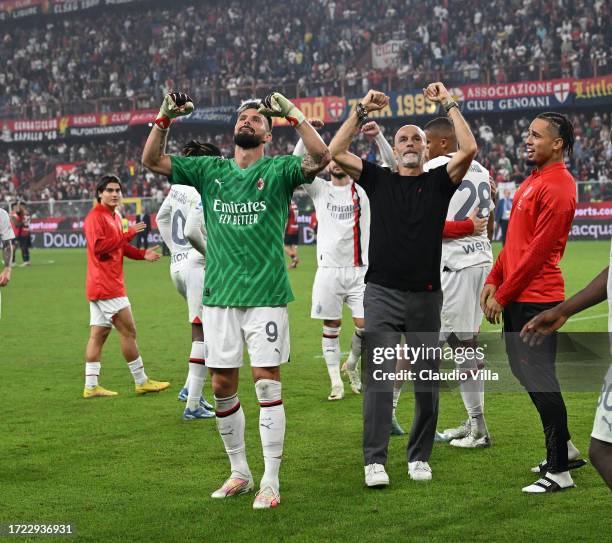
372, 131
317, 154
339, 146
154, 158
459, 164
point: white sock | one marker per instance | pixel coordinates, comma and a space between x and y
396, 396
471, 392
563, 479
92, 371
197, 374
572, 451
331, 353
186, 385
355, 353
271, 428
138, 372
230, 422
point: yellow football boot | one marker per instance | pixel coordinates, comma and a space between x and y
151, 386
97, 392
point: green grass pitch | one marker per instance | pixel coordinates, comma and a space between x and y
129, 469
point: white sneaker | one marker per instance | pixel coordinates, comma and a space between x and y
337, 393
419, 471
472, 442
354, 377
457, 433
376, 476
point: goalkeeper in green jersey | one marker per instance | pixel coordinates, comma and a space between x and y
246, 289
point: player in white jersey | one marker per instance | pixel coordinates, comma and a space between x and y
343, 215
181, 224
467, 258
6, 241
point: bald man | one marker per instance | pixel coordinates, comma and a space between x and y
403, 293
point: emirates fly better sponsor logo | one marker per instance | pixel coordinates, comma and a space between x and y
238, 213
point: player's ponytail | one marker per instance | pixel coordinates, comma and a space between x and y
564, 127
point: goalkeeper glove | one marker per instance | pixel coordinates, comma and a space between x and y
175, 104
276, 105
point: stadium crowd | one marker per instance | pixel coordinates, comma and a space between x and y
28, 172
237, 49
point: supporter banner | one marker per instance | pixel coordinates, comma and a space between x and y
515, 103
386, 55
66, 168
216, 115
597, 90
14, 9
406, 104
35, 130
67, 6
329, 109
559, 87
143, 116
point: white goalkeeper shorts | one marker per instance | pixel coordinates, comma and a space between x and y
334, 287
461, 313
103, 312
189, 282
602, 427
264, 331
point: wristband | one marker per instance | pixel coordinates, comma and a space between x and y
450, 105
362, 114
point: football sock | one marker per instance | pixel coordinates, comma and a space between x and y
331, 353
230, 422
396, 396
92, 371
271, 428
355, 353
197, 374
138, 372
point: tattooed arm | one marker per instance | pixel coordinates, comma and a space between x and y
317, 154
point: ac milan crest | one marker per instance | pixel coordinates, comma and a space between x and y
260, 183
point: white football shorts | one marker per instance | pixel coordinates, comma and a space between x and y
189, 281
334, 287
602, 427
102, 312
461, 313
264, 331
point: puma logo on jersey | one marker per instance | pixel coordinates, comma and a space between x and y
218, 182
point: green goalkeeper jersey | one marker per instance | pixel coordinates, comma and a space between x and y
246, 214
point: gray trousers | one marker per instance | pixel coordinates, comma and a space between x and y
389, 314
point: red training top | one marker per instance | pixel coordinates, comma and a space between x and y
106, 246
527, 268
292, 225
